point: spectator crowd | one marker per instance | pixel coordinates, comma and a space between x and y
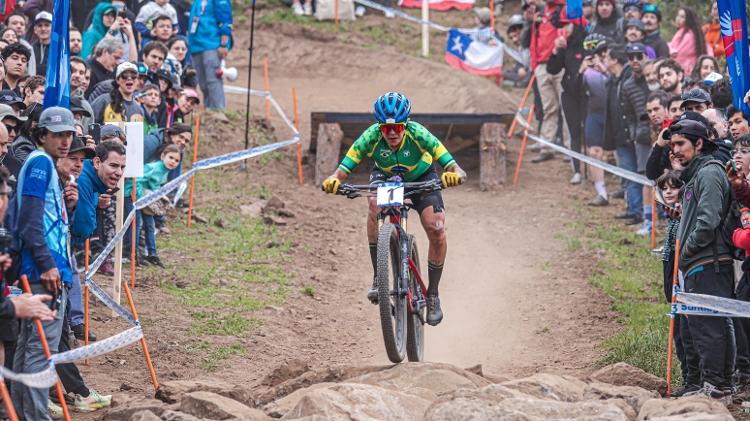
60, 168
610, 84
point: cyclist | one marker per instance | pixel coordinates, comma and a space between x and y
406, 148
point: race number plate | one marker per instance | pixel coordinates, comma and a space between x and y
390, 194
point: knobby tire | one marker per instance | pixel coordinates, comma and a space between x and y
393, 309
414, 326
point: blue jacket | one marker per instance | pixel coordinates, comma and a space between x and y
84, 219
152, 143
214, 19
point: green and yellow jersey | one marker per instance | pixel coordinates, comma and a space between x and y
418, 150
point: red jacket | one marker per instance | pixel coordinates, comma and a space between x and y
544, 32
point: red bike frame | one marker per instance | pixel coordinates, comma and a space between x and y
396, 219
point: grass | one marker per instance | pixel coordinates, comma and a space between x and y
212, 356
309, 291
632, 278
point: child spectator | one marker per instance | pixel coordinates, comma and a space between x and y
161, 30
150, 98
687, 43
151, 11
154, 176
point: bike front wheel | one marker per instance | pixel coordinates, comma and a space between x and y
415, 324
391, 294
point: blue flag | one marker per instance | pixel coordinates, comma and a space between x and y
575, 9
733, 20
57, 90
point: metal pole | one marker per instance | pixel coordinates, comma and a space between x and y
243, 165
425, 28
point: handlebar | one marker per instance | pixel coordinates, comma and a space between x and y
353, 190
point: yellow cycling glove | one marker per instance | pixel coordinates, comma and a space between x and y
331, 185
450, 179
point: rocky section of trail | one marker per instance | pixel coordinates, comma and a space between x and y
419, 391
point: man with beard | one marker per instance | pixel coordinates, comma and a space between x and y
651, 18
670, 76
635, 91
719, 123
635, 32
119, 105
76, 41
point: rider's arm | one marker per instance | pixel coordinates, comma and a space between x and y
361, 148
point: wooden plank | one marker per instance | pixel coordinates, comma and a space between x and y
492, 156
328, 147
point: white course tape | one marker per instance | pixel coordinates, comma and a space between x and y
41, 380
101, 347
687, 309
629, 175
735, 308
242, 90
109, 302
377, 6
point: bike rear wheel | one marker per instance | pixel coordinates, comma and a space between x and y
391, 295
415, 326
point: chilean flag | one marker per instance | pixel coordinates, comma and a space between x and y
734, 34
463, 52
441, 5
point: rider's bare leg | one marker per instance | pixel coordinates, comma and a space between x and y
434, 226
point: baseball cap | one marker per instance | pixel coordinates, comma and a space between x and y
79, 144
43, 16
57, 120
6, 111
10, 97
635, 48
696, 95
712, 78
192, 94
635, 23
124, 67
76, 106
110, 130
689, 124
483, 13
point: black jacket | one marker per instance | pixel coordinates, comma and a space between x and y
616, 129
570, 59
41, 52
655, 41
98, 74
635, 92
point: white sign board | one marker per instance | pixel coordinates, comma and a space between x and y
133, 149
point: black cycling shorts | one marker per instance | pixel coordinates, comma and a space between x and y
422, 201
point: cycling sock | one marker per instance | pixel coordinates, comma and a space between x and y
601, 189
434, 272
374, 257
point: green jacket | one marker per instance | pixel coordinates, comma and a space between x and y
705, 202
96, 31
154, 176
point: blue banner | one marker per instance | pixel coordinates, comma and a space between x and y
57, 89
575, 9
733, 18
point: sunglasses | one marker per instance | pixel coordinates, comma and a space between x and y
129, 76
590, 44
386, 128
635, 56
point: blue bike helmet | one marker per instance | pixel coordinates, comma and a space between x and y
392, 107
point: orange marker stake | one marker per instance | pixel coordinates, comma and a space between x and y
47, 353
86, 257
299, 145
492, 15
133, 237
675, 271
523, 147
146, 353
653, 219
9, 409
267, 87
522, 104
337, 11
192, 179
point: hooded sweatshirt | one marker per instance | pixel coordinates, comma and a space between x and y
84, 219
96, 31
705, 202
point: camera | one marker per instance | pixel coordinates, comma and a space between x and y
55, 303
6, 241
95, 131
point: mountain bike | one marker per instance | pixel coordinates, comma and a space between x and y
401, 289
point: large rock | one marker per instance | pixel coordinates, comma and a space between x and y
144, 415
281, 406
170, 415
634, 396
124, 411
216, 407
699, 407
549, 386
527, 409
424, 379
622, 374
352, 401
172, 391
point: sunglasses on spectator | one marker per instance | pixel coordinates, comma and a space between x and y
590, 44
635, 56
396, 127
129, 76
